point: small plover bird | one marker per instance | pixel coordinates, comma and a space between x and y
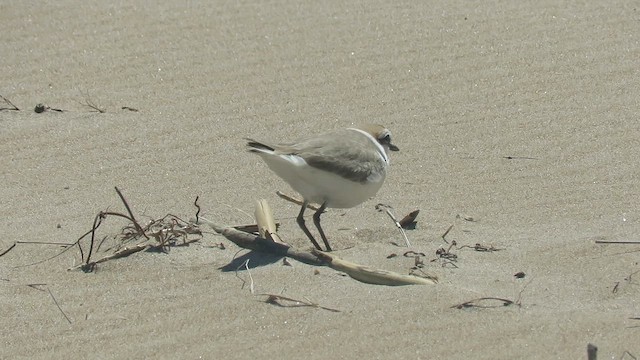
339, 169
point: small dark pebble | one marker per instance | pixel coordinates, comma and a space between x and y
519, 275
40, 108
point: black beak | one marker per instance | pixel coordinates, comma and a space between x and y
393, 147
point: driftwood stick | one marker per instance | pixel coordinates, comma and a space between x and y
373, 276
358, 272
256, 243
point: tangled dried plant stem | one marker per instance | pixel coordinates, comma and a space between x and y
97, 221
167, 231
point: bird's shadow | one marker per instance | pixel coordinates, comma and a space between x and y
256, 259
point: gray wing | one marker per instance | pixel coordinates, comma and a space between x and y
352, 157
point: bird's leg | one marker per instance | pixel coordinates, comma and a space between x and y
300, 221
316, 220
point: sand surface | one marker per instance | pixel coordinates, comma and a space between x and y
521, 116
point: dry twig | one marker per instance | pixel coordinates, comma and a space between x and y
9, 249
274, 299
8, 102
617, 242
625, 353
446, 233
36, 286
251, 284
388, 209
478, 303
481, 248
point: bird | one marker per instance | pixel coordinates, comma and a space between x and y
338, 169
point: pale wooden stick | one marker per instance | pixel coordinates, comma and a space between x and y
266, 224
372, 276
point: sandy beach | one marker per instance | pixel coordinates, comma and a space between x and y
517, 124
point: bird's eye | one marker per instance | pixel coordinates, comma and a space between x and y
386, 139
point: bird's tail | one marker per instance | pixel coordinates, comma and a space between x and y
255, 146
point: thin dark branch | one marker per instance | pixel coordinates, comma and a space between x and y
36, 287
617, 242
96, 223
625, 353
273, 299
61, 252
12, 108
195, 203
519, 158
475, 303
45, 243
36, 243
9, 249
133, 219
58, 305
444, 236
